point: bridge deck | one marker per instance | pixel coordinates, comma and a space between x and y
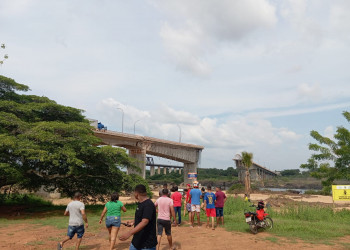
146, 139
164, 166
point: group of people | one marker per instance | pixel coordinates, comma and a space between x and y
212, 204
147, 228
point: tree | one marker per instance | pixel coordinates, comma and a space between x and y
247, 161
290, 172
5, 57
331, 159
46, 144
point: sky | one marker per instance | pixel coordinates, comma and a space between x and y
233, 75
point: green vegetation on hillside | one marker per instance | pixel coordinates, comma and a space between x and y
204, 174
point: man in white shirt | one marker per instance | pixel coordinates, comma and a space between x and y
77, 216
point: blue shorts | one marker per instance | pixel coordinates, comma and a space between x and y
134, 248
113, 221
79, 230
219, 212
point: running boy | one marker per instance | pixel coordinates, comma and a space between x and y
77, 216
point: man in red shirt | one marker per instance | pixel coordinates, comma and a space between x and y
177, 199
219, 205
188, 203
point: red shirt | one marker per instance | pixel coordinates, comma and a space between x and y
188, 199
220, 196
177, 198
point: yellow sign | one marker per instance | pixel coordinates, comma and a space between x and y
341, 192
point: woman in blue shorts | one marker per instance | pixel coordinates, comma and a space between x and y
113, 208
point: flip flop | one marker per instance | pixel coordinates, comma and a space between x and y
59, 246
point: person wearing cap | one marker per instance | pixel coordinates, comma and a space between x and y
195, 196
188, 203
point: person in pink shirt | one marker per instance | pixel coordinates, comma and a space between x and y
177, 199
165, 210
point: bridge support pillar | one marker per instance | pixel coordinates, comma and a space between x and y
152, 172
158, 170
164, 170
189, 168
179, 170
170, 170
140, 156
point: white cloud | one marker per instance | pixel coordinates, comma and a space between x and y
229, 136
340, 19
329, 132
310, 92
195, 28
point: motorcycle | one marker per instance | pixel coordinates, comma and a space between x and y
259, 219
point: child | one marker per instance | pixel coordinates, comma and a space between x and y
209, 204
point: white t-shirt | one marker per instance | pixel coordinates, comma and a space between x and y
75, 217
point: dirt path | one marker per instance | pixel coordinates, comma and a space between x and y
31, 236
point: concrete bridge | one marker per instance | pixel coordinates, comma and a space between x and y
161, 168
139, 146
257, 172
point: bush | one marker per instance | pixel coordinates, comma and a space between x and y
23, 199
131, 180
317, 192
236, 188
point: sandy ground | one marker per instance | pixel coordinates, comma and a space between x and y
27, 236
32, 236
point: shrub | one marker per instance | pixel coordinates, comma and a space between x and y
23, 199
236, 188
131, 180
317, 192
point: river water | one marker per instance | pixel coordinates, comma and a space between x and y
301, 191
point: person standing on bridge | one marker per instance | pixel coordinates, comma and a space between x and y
195, 196
177, 199
219, 206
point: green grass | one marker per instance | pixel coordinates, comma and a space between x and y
272, 239
53, 216
309, 223
35, 243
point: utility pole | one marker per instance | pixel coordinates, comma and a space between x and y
135, 125
122, 119
180, 135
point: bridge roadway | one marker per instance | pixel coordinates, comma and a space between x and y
140, 146
257, 172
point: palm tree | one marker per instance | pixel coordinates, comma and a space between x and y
247, 161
